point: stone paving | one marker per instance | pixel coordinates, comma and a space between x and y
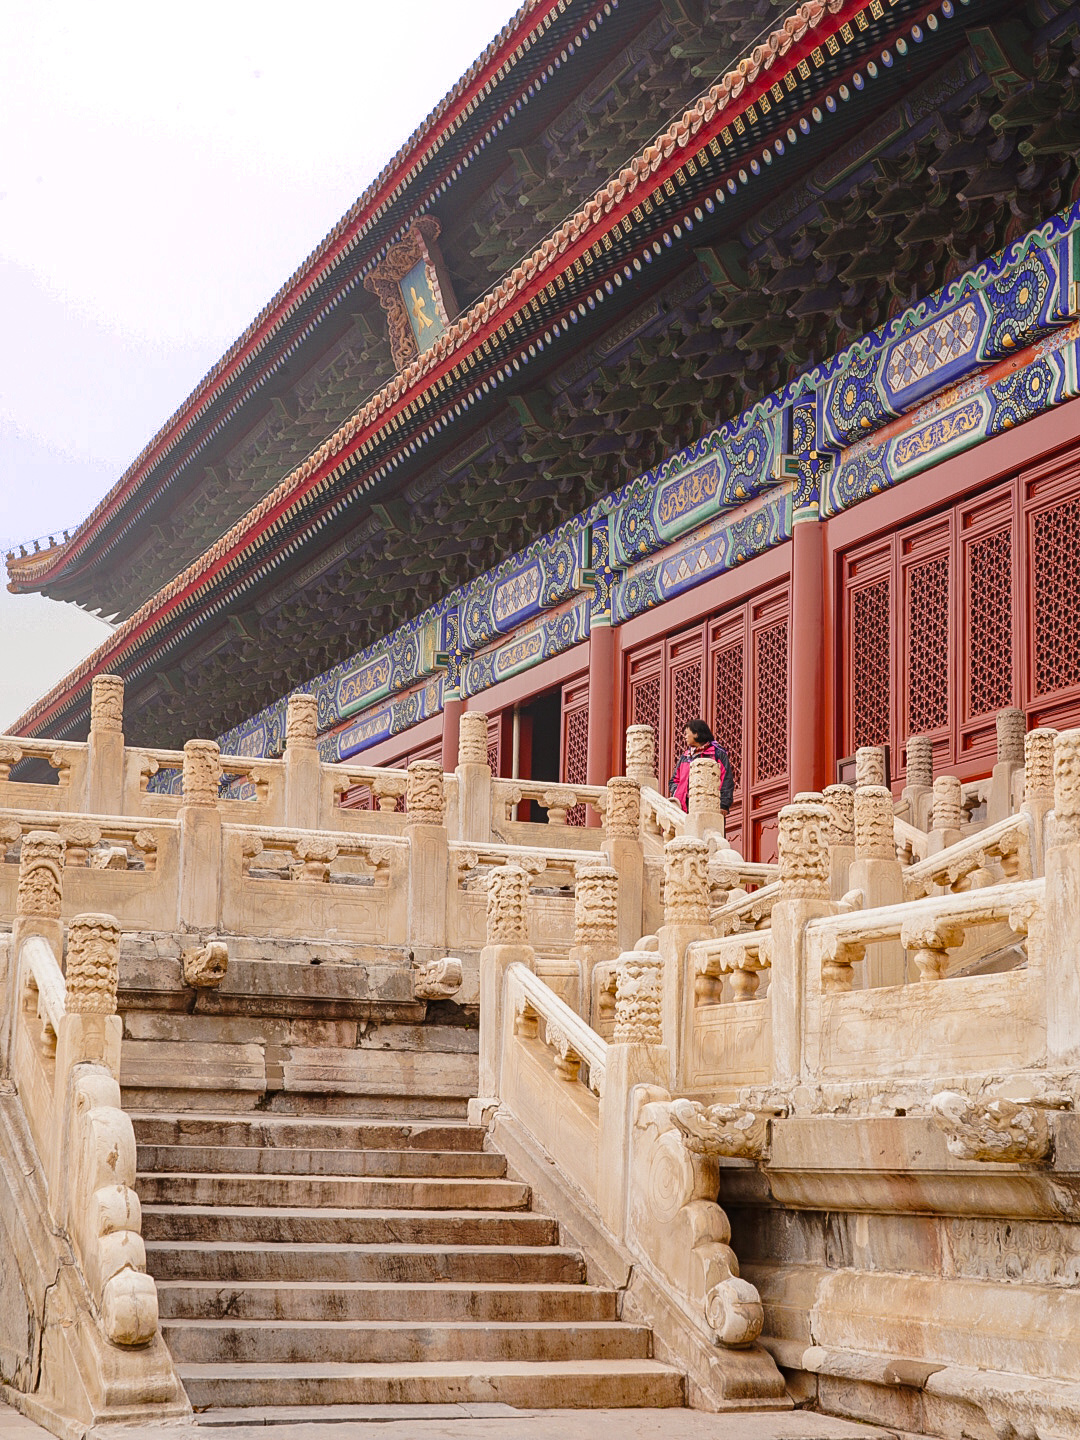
479, 1422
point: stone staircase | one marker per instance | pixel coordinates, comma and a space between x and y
323, 1260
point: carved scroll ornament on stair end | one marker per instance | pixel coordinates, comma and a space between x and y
105, 1217
680, 1231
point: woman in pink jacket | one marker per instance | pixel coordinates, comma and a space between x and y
700, 745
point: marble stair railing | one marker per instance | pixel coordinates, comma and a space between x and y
587, 1122
60, 1042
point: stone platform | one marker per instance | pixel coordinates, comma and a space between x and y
479, 1422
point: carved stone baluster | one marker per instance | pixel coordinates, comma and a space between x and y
838, 957
200, 836
1010, 761
303, 771
929, 942
202, 773
920, 761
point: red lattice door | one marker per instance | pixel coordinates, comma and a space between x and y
644, 691
728, 698
1052, 590
574, 741
767, 742
495, 743
926, 634
989, 617
685, 700
867, 630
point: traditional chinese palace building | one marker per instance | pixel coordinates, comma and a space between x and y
693, 357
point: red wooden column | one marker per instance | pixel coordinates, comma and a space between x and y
808, 750
601, 737
453, 705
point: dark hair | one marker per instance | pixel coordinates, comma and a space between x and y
700, 731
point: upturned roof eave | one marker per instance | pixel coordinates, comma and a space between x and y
34, 573
805, 28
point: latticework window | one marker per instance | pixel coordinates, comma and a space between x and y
645, 708
989, 619
575, 755
494, 744
928, 645
728, 704
870, 689
1055, 545
685, 705
771, 682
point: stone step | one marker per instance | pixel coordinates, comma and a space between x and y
216, 1223
523, 1384
330, 1191
375, 1300
251, 1160
300, 1105
335, 1132
396, 1342
537, 1260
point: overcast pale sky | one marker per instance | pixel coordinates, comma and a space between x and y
165, 169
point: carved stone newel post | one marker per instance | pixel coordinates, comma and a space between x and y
918, 788
641, 755
622, 847
105, 747
303, 772
1061, 933
1039, 786
840, 800
474, 778
869, 765
948, 813
200, 837
93, 965
803, 844
704, 799
425, 814
507, 943
1011, 725
596, 930
37, 906
636, 1056
686, 919
877, 872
